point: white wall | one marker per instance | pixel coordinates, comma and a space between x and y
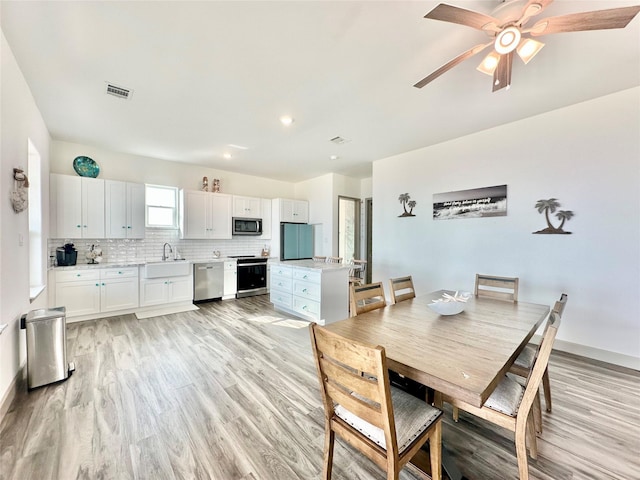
588, 157
21, 121
366, 188
322, 194
132, 168
318, 192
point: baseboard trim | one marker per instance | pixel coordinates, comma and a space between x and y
16, 385
614, 358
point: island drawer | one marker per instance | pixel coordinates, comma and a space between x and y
281, 282
281, 270
307, 275
307, 307
283, 299
307, 290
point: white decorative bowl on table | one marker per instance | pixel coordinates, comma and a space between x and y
450, 304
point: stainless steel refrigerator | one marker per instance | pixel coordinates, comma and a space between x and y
296, 241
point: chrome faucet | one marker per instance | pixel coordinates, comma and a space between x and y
164, 251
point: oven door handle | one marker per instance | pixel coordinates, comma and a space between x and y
251, 264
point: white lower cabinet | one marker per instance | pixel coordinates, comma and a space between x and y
158, 291
79, 297
314, 294
119, 289
92, 291
230, 279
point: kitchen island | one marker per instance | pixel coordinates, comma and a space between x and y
313, 291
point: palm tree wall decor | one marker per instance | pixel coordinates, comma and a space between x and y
404, 199
550, 206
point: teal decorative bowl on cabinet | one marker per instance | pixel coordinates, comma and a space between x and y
86, 167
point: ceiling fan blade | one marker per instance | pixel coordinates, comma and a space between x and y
578, 22
449, 65
502, 75
531, 9
462, 16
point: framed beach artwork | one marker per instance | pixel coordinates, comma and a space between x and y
474, 203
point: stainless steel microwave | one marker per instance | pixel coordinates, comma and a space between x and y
247, 226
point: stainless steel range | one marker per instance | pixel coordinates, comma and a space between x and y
252, 275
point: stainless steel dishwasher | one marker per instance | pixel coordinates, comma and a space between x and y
208, 281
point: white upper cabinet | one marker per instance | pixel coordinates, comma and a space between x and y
248, 207
266, 219
205, 215
220, 218
295, 211
124, 210
77, 206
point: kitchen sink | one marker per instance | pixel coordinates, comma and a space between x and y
169, 268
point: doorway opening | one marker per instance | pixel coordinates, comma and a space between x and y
349, 228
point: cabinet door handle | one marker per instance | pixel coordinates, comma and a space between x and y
79, 226
128, 226
97, 284
123, 226
304, 290
78, 275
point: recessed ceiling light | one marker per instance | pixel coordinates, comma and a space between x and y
334, 157
227, 155
286, 120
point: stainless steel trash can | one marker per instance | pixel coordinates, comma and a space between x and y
46, 346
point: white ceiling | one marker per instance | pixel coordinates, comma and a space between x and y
208, 74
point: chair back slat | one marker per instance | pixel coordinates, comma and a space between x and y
366, 410
402, 289
358, 408
541, 361
334, 259
350, 378
560, 304
318, 258
339, 362
501, 288
358, 274
367, 297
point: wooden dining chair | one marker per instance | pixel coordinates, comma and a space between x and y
334, 259
402, 289
384, 423
357, 274
366, 297
317, 258
510, 405
524, 363
502, 288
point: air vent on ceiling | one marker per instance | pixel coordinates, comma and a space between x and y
338, 140
119, 92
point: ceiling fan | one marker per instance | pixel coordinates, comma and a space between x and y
510, 35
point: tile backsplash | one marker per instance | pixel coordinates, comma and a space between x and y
150, 248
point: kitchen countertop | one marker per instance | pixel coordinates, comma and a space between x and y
310, 264
85, 266
142, 262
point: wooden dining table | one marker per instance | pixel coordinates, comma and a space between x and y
463, 356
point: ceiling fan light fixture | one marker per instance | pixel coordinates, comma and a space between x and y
507, 40
489, 64
528, 49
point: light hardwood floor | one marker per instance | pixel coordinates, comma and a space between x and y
218, 393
